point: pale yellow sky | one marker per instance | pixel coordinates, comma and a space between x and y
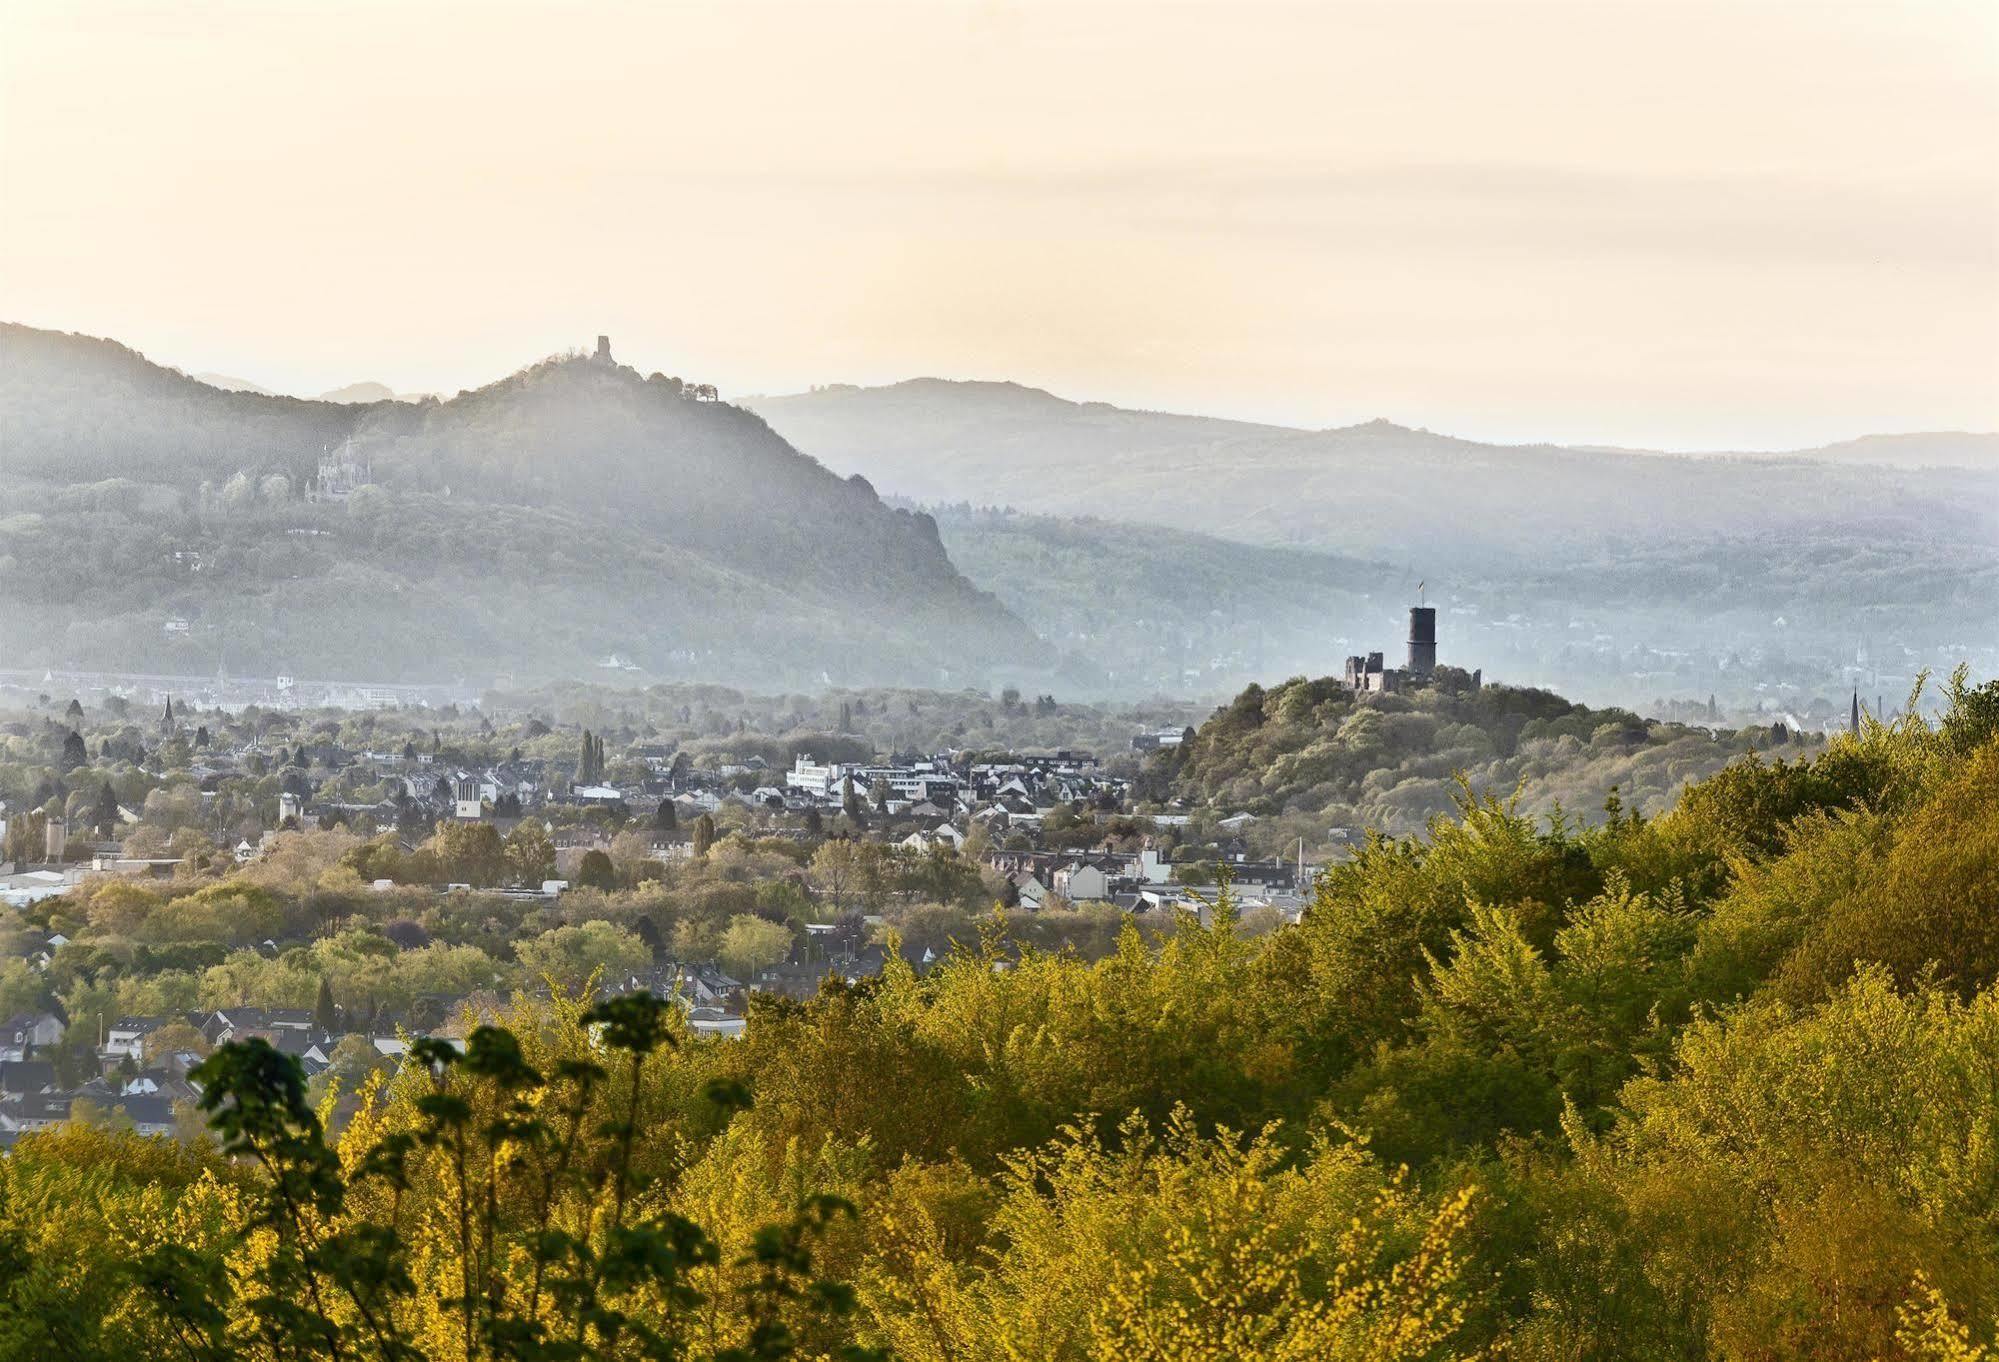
1677, 224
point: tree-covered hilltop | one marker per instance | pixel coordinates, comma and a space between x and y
1307, 755
572, 511
80, 409
1718, 1083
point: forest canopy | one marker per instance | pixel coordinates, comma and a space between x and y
1716, 1082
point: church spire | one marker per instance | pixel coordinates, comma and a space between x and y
1855, 722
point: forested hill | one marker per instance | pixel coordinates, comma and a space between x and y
81, 409
574, 510
1309, 754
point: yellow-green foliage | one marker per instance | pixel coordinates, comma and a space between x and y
1170, 1246
1719, 1084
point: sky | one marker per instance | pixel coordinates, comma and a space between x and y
1675, 225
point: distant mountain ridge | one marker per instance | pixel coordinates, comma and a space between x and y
987, 397
363, 392
575, 500
231, 384
1377, 489
1916, 449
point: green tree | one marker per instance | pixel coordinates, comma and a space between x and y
835, 871
104, 812
752, 944
530, 853
333, 1282
596, 871
468, 853
570, 956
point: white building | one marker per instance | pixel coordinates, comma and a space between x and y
812, 777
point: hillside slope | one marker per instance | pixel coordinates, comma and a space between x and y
571, 511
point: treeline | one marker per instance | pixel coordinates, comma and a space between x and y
1716, 1083
365, 920
714, 722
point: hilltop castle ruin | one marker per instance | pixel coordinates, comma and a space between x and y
1369, 676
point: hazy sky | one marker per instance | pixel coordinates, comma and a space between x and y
1678, 224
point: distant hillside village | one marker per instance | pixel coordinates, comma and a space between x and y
189, 804
941, 800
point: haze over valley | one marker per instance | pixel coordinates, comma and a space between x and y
580, 519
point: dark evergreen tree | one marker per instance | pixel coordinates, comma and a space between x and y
596, 872
105, 812
325, 1015
646, 930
